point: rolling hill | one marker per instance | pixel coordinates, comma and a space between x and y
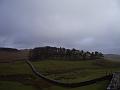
115, 57
10, 54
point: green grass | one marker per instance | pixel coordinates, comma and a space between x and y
76, 71
8, 85
14, 68
98, 86
64, 71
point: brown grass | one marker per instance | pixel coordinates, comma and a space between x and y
6, 56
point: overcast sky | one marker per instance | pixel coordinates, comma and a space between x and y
82, 24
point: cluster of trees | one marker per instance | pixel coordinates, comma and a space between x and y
48, 52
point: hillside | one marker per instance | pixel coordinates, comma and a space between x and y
19, 73
115, 57
7, 55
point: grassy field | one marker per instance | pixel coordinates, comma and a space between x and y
97, 86
7, 85
19, 67
75, 71
18, 73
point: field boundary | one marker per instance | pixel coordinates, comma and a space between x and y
115, 82
70, 85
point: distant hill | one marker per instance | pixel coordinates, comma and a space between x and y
8, 49
11, 54
112, 56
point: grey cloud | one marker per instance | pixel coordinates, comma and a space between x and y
83, 24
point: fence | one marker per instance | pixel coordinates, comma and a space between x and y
115, 82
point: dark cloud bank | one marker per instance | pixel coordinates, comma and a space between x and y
82, 24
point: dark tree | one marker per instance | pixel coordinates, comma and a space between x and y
41, 53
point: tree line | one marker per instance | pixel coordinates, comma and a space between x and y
48, 52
